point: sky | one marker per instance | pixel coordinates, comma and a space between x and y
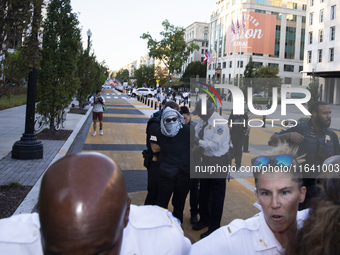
116, 26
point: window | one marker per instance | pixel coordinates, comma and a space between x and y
311, 18
303, 19
278, 14
230, 64
302, 43
304, 7
205, 37
206, 28
309, 56
202, 51
321, 15
202, 44
310, 37
260, 11
222, 9
228, 5
291, 17
260, 1
206, 45
332, 34
320, 35
202, 59
311, 2
300, 68
333, 12
288, 68
257, 54
229, 77
238, 64
331, 54
277, 42
290, 42
258, 64
319, 55
224, 64
223, 79
234, 2
277, 3
273, 65
288, 80
292, 5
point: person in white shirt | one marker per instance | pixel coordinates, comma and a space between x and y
84, 209
271, 231
97, 102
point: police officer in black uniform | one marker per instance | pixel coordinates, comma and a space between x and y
238, 125
315, 140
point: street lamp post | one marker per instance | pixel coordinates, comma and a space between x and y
89, 34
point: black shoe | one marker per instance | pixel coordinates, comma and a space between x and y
193, 219
200, 225
205, 234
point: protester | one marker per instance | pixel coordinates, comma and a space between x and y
84, 209
279, 194
320, 233
159, 113
172, 141
214, 141
315, 139
97, 102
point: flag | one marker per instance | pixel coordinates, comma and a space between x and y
233, 27
238, 27
243, 24
206, 57
210, 58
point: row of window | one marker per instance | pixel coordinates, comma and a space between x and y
286, 68
312, 2
320, 53
227, 6
278, 3
321, 37
322, 15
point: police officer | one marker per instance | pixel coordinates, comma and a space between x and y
214, 141
84, 209
238, 125
314, 138
270, 231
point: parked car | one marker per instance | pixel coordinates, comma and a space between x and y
257, 95
143, 91
106, 87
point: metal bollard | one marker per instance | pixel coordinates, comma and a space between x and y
189, 104
155, 105
264, 121
246, 141
148, 102
151, 103
221, 110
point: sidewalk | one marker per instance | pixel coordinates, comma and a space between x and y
28, 172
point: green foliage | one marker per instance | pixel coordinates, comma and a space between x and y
193, 69
18, 30
145, 75
172, 50
12, 185
57, 78
313, 88
303, 119
267, 78
16, 100
249, 69
122, 75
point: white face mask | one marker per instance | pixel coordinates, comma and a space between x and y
171, 128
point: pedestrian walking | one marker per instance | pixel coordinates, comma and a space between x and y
214, 141
97, 102
269, 103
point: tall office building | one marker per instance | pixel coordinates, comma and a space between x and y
288, 29
322, 45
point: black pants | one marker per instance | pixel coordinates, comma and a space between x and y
153, 182
194, 196
237, 139
179, 186
212, 194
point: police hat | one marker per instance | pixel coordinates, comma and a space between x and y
198, 107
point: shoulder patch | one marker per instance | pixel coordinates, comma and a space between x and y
219, 130
153, 138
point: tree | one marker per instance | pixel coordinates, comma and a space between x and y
267, 78
122, 75
145, 75
248, 76
313, 88
172, 50
57, 78
193, 69
19, 20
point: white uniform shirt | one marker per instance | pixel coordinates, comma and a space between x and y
20, 234
216, 139
244, 237
151, 230
97, 107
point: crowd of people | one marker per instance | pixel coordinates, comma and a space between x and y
84, 207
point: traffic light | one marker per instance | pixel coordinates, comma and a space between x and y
170, 81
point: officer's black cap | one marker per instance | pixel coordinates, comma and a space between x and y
198, 107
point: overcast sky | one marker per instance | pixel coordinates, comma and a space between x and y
117, 25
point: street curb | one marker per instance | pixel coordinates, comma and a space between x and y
28, 204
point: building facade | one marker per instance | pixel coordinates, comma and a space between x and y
289, 38
322, 45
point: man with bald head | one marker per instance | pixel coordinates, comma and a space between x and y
84, 209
